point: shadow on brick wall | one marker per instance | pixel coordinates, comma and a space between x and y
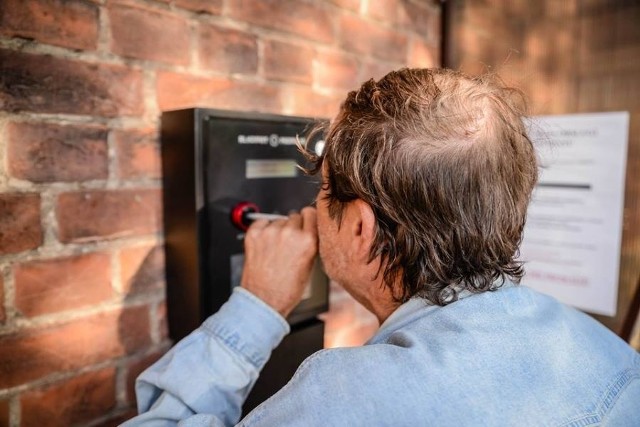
143, 336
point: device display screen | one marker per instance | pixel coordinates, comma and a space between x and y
271, 168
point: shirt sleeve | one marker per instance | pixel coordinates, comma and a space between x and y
206, 377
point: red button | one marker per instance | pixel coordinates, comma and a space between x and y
238, 213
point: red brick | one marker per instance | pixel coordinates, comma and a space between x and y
514, 9
305, 19
74, 401
138, 154
602, 62
3, 315
383, 10
376, 70
149, 34
335, 71
466, 42
62, 284
20, 227
421, 19
176, 90
227, 51
44, 84
303, 101
134, 370
289, 62
201, 6
601, 50
623, 95
142, 269
66, 23
353, 5
48, 153
562, 9
93, 215
557, 41
609, 92
492, 27
28, 355
4, 413
423, 55
370, 39
597, 30
473, 66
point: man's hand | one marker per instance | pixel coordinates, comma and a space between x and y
278, 259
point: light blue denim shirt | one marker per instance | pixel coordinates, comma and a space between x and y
512, 357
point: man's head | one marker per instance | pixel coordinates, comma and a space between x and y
445, 165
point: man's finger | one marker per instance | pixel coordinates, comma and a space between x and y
278, 223
295, 221
258, 225
309, 220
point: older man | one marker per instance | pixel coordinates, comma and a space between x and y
427, 175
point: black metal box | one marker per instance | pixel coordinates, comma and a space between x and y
211, 161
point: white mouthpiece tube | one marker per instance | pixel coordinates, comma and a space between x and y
268, 216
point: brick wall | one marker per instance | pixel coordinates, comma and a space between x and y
570, 56
82, 84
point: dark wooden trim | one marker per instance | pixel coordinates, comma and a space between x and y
445, 22
632, 315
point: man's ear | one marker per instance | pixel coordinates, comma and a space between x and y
363, 226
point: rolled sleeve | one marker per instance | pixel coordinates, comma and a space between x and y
247, 325
211, 371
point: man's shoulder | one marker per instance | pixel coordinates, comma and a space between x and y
507, 345
348, 360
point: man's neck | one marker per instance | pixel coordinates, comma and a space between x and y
382, 312
378, 299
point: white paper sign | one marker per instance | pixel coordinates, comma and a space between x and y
571, 245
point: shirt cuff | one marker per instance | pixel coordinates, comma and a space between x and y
247, 325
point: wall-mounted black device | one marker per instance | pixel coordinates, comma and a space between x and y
218, 167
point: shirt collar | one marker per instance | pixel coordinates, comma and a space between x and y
401, 316
416, 306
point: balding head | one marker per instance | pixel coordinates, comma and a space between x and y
446, 165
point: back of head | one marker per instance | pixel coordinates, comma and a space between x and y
446, 165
